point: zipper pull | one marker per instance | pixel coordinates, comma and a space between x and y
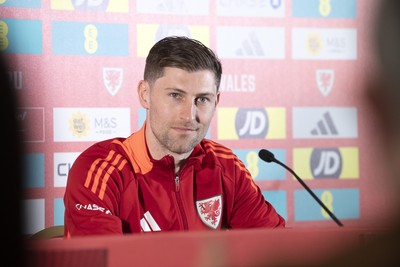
177, 183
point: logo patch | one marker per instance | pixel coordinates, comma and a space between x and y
314, 44
79, 124
325, 79
112, 78
210, 211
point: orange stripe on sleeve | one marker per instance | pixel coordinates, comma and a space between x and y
104, 182
217, 146
243, 168
97, 177
226, 153
133, 162
122, 164
98, 174
90, 172
117, 158
108, 173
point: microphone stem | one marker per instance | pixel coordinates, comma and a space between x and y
311, 193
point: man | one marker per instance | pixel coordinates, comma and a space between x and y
167, 176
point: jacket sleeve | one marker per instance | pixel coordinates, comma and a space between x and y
92, 196
250, 207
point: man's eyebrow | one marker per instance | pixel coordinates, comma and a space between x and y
206, 94
175, 89
184, 92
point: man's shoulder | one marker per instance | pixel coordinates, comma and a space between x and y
214, 145
102, 149
218, 150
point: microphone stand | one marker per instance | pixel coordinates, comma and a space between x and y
271, 157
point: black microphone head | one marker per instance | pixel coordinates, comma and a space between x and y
266, 155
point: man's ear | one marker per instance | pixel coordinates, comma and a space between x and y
217, 100
144, 93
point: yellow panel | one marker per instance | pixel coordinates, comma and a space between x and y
301, 162
61, 5
277, 123
350, 163
226, 123
118, 6
146, 36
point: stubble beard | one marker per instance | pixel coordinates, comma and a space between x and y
179, 145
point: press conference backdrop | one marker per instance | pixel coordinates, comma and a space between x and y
293, 71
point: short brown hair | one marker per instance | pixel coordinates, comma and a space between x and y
183, 53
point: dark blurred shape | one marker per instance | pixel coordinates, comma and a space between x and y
382, 97
11, 172
68, 258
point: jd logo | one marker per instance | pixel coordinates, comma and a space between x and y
251, 123
326, 163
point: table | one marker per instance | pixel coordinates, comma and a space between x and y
234, 248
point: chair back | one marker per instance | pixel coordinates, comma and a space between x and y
56, 231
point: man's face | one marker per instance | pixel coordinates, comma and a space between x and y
180, 107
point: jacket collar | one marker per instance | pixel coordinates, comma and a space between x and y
137, 149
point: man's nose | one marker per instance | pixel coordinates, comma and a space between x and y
188, 110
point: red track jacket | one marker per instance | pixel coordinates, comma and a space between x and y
115, 187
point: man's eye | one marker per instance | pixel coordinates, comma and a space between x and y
174, 95
202, 100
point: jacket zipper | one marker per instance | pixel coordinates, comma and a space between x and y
176, 183
180, 204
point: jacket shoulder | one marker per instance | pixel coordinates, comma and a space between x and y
218, 151
110, 152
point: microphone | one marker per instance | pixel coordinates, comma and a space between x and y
268, 156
